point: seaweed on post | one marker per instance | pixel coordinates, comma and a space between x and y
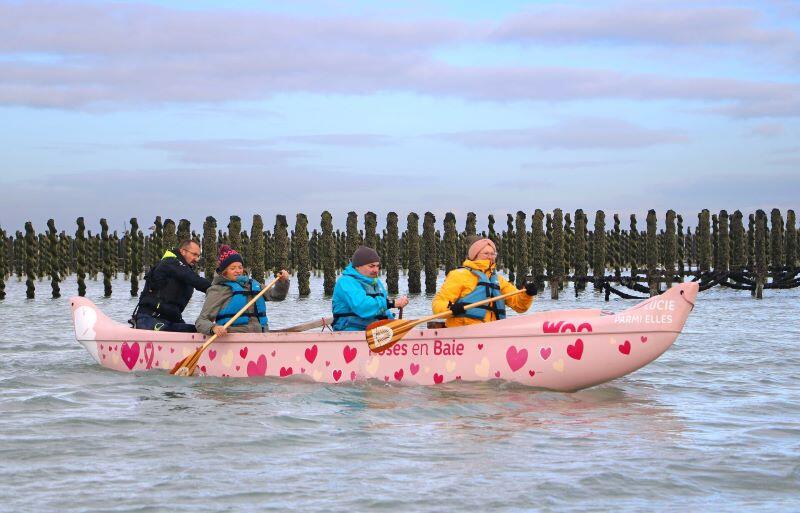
413, 253
390, 254
30, 260
328, 253
209, 247
80, 261
300, 243
52, 237
431, 253
255, 253
521, 248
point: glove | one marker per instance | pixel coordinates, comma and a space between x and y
456, 308
530, 288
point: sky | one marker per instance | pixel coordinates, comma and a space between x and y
188, 109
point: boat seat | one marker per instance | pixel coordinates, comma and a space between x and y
435, 325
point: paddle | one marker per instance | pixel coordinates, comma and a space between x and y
186, 366
323, 321
382, 335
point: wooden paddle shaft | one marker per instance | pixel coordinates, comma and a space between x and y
306, 325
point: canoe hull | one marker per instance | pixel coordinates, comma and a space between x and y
562, 350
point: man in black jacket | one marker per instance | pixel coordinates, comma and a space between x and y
168, 288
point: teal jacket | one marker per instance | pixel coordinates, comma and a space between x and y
358, 301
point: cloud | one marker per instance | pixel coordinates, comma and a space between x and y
767, 130
630, 23
571, 134
93, 55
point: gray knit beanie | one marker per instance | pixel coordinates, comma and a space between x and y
364, 256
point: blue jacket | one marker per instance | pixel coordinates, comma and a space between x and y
358, 301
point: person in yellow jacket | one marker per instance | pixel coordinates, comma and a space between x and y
477, 279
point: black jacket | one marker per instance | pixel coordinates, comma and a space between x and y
168, 288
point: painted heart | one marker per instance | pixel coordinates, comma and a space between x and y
238, 367
531, 373
101, 347
398, 374
337, 375
437, 378
414, 368
625, 348
482, 369
141, 360
352, 375
258, 367
327, 363
575, 351
372, 366
286, 372
497, 374
349, 353
171, 349
458, 377
130, 354
302, 370
211, 355
311, 353
545, 353
203, 369
480, 346
386, 378
160, 348
227, 359
243, 352
643, 339
516, 359
273, 354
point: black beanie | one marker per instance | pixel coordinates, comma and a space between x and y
364, 256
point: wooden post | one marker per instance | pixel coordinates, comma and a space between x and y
328, 253
390, 256
301, 254
413, 254
431, 253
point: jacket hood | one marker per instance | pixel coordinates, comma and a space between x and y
351, 271
220, 279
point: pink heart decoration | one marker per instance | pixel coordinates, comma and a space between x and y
352, 375
101, 347
545, 353
625, 348
327, 363
437, 378
349, 353
238, 367
286, 372
458, 377
302, 370
258, 367
311, 353
273, 353
160, 348
531, 373
414, 368
516, 359
130, 354
243, 352
575, 351
398, 375
211, 355
643, 339
386, 378
480, 346
337, 375
171, 349
497, 374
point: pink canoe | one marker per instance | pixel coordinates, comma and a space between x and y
561, 350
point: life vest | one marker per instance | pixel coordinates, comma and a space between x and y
238, 300
483, 290
350, 321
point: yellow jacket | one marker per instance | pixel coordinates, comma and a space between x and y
460, 282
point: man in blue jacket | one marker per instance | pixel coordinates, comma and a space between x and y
359, 297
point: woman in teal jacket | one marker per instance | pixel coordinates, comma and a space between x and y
359, 297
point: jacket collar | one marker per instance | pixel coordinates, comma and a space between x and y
480, 265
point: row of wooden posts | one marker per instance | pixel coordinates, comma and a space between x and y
745, 252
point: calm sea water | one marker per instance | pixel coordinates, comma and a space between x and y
712, 425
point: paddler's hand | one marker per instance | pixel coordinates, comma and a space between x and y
401, 302
530, 288
283, 275
219, 330
457, 308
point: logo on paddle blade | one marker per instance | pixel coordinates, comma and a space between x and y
380, 337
